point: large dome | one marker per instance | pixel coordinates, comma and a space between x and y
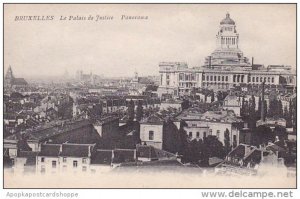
227, 20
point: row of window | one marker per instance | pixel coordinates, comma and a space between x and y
187, 85
75, 162
197, 134
43, 168
187, 77
228, 40
204, 135
215, 78
261, 79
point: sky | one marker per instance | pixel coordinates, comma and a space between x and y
172, 32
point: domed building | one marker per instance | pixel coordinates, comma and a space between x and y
225, 68
227, 52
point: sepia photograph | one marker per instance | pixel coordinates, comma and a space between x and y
149, 96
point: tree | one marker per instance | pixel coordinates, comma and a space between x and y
280, 131
263, 134
182, 138
227, 141
280, 108
139, 111
265, 108
171, 137
185, 104
259, 108
252, 112
214, 147
212, 97
130, 110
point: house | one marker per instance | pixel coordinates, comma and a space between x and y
151, 131
234, 103
76, 157
80, 131
215, 123
48, 158
249, 160
66, 157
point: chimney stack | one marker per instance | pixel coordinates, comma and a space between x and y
262, 112
209, 62
252, 61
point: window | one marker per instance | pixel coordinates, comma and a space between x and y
168, 76
42, 159
64, 159
197, 134
75, 163
253, 79
151, 135
272, 79
219, 78
261, 79
211, 78
215, 78
168, 83
194, 125
53, 164
203, 77
268, 79
204, 134
218, 133
226, 78
190, 134
84, 168
84, 160
222, 78
256, 79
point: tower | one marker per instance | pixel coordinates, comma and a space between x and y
227, 53
9, 77
227, 36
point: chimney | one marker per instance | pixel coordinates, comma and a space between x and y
262, 112
209, 63
252, 61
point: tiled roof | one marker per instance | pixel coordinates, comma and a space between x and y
48, 132
101, 156
123, 155
50, 150
153, 119
76, 150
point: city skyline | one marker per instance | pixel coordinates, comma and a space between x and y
181, 33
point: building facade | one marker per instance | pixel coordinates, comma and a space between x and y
225, 68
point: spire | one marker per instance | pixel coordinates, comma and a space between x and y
9, 73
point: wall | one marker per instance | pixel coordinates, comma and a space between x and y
158, 135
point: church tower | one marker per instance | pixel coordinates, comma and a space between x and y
9, 77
